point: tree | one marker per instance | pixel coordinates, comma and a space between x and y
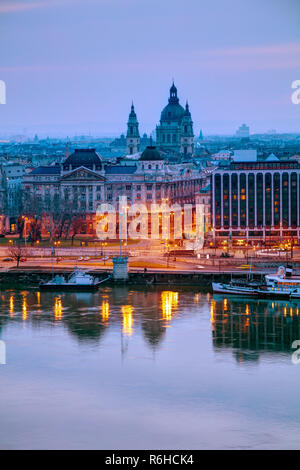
17, 252
76, 226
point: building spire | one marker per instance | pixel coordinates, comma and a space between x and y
173, 94
133, 135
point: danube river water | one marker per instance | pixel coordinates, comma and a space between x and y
151, 368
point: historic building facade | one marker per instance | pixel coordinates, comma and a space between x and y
85, 180
256, 201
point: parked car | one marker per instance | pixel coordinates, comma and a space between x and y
81, 258
7, 259
22, 260
86, 258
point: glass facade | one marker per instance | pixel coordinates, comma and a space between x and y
294, 205
268, 200
285, 200
276, 198
243, 204
234, 200
217, 201
251, 201
257, 200
226, 201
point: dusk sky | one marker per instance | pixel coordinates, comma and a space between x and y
74, 66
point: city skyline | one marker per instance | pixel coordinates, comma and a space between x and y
74, 67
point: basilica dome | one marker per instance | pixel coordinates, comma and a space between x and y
173, 111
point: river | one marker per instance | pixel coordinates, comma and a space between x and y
155, 368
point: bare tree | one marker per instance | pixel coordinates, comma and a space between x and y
76, 226
17, 252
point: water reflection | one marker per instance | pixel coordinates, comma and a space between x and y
11, 306
24, 307
105, 310
58, 309
127, 312
254, 327
248, 327
169, 304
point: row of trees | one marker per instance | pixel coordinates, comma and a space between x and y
60, 217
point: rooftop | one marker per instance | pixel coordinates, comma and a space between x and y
46, 170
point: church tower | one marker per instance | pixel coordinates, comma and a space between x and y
133, 135
187, 134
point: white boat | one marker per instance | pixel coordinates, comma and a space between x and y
280, 285
284, 282
233, 288
78, 280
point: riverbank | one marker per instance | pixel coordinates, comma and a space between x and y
33, 277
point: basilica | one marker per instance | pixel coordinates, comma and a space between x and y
174, 134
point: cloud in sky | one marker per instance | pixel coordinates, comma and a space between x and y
69, 62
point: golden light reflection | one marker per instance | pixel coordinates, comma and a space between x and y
212, 311
11, 306
169, 302
24, 308
38, 299
58, 308
225, 305
247, 311
105, 310
127, 312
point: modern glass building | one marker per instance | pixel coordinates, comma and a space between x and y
257, 201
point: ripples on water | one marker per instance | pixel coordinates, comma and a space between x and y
152, 368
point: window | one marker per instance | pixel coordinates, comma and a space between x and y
294, 200
268, 199
149, 187
259, 200
234, 200
226, 201
149, 197
128, 187
138, 188
243, 200
276, 189
251, 220
218, 201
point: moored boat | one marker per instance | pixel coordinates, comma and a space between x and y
233, 288
280, 285
77, 280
